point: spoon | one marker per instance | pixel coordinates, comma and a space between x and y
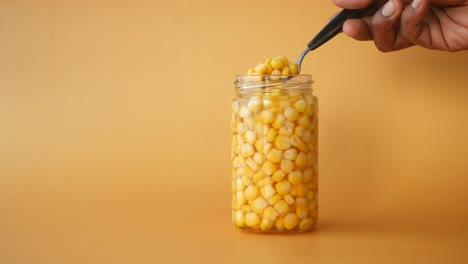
332, 29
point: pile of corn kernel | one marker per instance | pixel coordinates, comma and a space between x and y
275, 68
274, 161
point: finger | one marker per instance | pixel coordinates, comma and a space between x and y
353, 4
384, 23
412, 24
357, 29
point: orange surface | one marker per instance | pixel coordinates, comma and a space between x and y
114, 140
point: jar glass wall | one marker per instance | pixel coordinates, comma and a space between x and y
274, 128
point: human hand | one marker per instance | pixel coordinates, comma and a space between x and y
399, 24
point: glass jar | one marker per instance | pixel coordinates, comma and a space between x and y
274, 127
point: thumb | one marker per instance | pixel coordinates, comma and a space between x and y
412, 27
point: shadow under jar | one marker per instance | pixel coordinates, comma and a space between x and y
274, 150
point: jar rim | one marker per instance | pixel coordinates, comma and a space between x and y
264, 81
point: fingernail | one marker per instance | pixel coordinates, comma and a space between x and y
389, 9
415, 4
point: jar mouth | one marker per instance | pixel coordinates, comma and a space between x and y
268, 81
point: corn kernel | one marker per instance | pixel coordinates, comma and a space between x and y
279, 121
255, 105
278, 63
273, 200
251, 71
281, 207
290, 154
271, 134
240, 171
267, 116
268, 191
260, 175
240, 138
308, 175
252, 219
250, 122
246, 180
279, 223
241, 128
283, 187
289, 199
301, 201
246, 209
294, 68
270, 213
251, 192
268, 180
291, 114
301, 160
290, 125
261, 68
287, 166
268, 167
310, 194
290, 221
275, 75
295, 177
259, 205
302, 211
244, 112
249, 137
299, 131
248, 172
268, 60
247, 150
312, 205
239, 219
238, 162
300, 106
258, 158
284, 103
278, 175
240, 199
286, 131
286, 71
304, 121
251, 163
240, 186
275, 155
306, 223
282, 142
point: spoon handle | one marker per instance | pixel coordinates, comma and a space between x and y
336, 24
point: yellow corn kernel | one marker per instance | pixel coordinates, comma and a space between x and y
295, 177
268, 191
304, 121
240, 138
301, 201
240, 199
293, 191
248, 172
260, 175
268, 60
282, 142
283, 187
275, 155
267, 116
244, 112
270, 213
269, 68
282, 207
239, 219
290, 221
306, 223
258, 157
311, 158
240, 186
251, 163
251, 71
302, 211
252, 219
255, 105
286, 131
241, 128
247, 150
284, 103
290, 154
275, 75
249, 137
251, 192
246, 209
266, 225
271, 134
312, 205
290, 125
250, 122
278, 63
279, 223
238, 150
258, 205
286, 71
310, 194
300, 106
240, 171
268, 180
268, 167
301, 160
261, 68
289, 199
294, 68
246, 180
285, 60
287, 166
299, 131
278, 175
279, 121
273, 200
238, 162
291, 114
308, 175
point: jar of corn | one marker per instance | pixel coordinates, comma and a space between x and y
274, 127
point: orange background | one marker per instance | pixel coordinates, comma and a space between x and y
114, 136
